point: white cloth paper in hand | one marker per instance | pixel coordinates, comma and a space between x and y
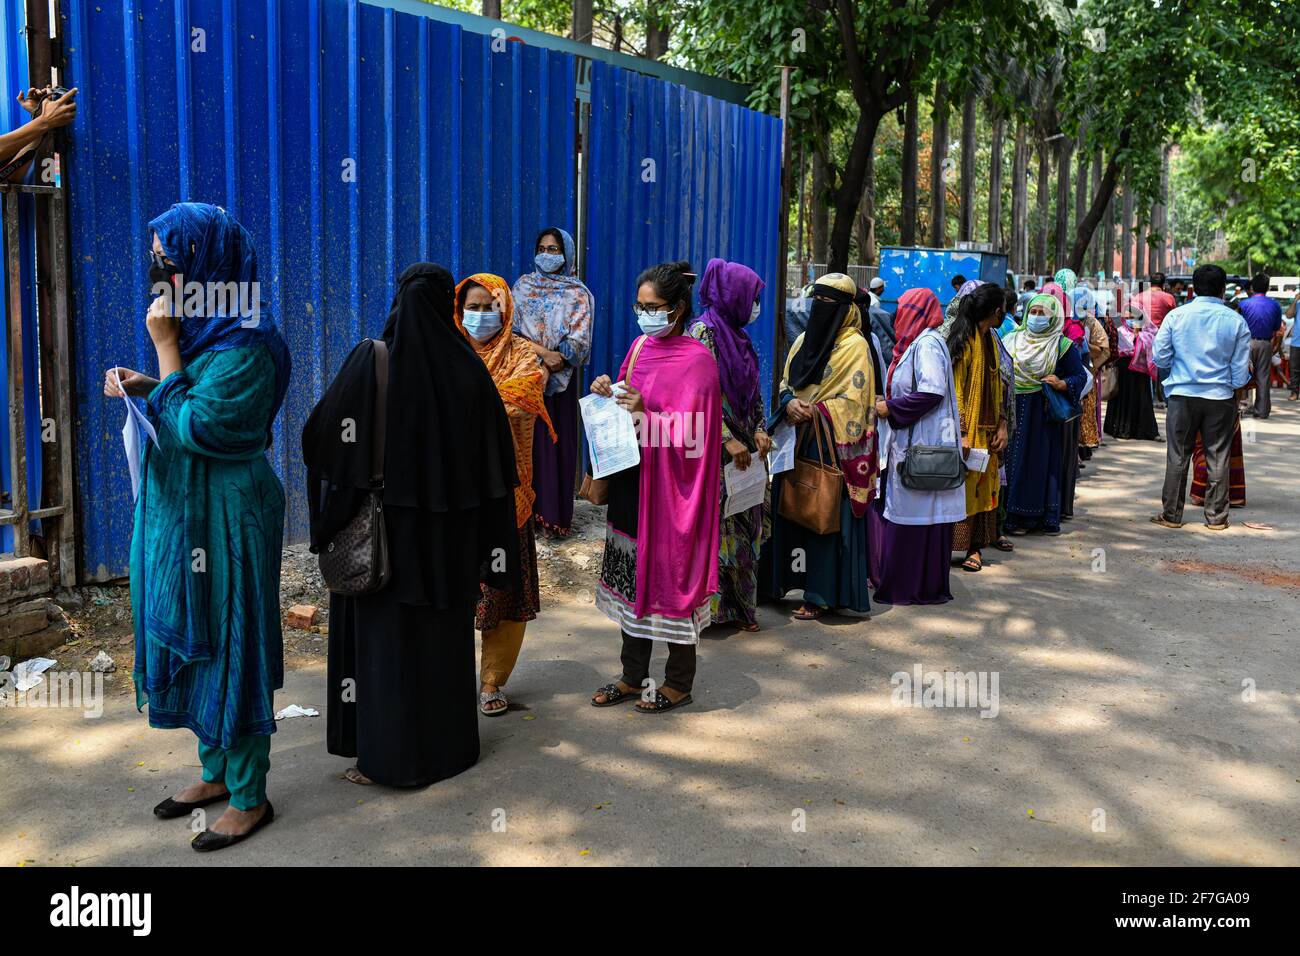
746, 488
977, 459
781, 457
611, 434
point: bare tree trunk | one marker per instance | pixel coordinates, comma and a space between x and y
1140, 247
1044, 209
1020, 199
820, 203
1162, 247
582, 20
617, 45
1126, 229
656, 40
1064, 148
1108, 240
1094, 257
853, 180
1081, 193
939, 168
867, 215
969, 119
995, 181
907, 211
492, 8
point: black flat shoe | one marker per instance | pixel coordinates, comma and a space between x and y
169, 809
208, 841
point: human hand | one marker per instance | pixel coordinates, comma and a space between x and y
764, 442
603, 386
60, 112
882, 408
798, 411
135, 383
163, 328
630, 399
738, 452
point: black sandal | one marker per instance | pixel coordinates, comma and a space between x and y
613, 694
210, 840
170, 809
809, 612
1002, 544
972, 563
661, 704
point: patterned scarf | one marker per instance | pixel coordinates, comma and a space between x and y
519, 379
1036, 353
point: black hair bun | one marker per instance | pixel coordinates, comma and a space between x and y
683, 268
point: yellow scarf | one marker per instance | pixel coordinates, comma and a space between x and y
979, 402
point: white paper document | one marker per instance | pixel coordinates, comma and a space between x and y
977, 459
611, 434
746, 488
781, 457
135, 424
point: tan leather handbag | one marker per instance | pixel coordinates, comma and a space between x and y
596, 490
812, 492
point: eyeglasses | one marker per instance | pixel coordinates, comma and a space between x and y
551, 248
640, 309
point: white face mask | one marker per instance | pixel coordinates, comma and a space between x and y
656, 324
754, 314
481, 326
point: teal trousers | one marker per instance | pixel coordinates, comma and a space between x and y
243, 769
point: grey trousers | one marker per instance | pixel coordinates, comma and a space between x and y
1261, 369
1215, 420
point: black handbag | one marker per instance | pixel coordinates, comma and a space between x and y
356, 560
930, 467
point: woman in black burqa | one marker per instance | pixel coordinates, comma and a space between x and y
403, 691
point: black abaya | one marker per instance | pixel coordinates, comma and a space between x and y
402, 687
1130, 413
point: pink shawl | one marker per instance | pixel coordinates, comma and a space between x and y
678, 515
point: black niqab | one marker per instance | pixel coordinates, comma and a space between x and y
819, 338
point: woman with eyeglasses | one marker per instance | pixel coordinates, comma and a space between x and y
828, 394
484, 310
729, 292
553, 313
1044, 357
659, 572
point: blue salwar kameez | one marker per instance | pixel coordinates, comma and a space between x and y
1036, 460
205, 564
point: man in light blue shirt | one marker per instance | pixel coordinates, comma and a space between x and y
1203, 353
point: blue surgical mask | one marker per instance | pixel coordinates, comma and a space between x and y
482, 325
1038, 323
549, 261
654, 324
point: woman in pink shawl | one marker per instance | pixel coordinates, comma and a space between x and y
660, 569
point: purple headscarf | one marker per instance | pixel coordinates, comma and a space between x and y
727, 292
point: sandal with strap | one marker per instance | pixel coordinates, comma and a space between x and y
485, 699
661, 704
1002, 544
972, 563
809, 612
613, 694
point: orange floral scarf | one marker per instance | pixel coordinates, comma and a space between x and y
520, 379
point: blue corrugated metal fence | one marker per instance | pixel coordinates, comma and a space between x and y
461, 147
675, 175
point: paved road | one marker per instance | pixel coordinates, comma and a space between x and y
1120, 693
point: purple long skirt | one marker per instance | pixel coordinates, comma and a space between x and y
555, 463
909, 563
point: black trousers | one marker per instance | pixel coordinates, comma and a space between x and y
1295, 368
1215, 420
679, 674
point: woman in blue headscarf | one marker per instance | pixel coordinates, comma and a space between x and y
209, 516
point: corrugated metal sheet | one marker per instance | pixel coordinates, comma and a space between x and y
461, 154
715, 191
13, 67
